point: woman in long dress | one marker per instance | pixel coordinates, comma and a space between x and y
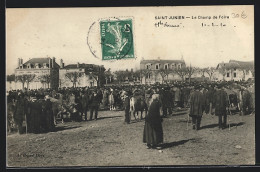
153, 132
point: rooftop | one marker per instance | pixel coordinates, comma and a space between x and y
161, 61
81, 65
237, 64
40, 61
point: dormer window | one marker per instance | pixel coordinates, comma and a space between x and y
29, 65
166, 66
173, 65
157, 66
37, 65
45, 65
148, 66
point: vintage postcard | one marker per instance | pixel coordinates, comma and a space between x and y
130, 86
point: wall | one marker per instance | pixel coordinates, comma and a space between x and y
84, 81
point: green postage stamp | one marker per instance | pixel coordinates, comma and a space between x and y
116, 39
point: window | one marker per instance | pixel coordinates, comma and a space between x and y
37, 65
166, 66
157, 66
148, 66
235, 75
227, 74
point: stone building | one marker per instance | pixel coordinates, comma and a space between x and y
234, 71
44, 73
153, 67
79, 75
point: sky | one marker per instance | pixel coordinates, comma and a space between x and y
62, 33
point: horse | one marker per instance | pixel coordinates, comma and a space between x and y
137, 104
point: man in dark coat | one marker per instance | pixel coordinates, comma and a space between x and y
19, 112
48, 115
153, 132
85, 102
34, 111
197, 106
127, 107
94, 104
246, 108
221, 103
186, 95
166, 98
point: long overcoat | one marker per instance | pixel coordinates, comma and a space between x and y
153, 132
197, 103
220, 102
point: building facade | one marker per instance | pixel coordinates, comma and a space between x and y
40, 72
79, 75
152, 70
234, 71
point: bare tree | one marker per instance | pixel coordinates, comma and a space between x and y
108, 75
137, 75
45, 79
120, 75
144, 73
190, 71
210, 71
10, 79
74, 77
182, 72
27, 78
165, 74
97, 73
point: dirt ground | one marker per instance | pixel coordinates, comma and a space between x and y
109, 142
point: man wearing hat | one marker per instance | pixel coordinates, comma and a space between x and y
94, 104
19, 112
221, 104
127, 107
197, 106
48, 119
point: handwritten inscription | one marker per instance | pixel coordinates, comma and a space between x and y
219, 20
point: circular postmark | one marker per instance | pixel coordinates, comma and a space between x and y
111, 39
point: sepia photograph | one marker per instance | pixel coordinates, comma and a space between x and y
130, 86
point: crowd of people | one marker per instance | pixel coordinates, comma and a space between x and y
41, 109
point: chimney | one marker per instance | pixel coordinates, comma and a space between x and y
78, 65
19, 62
53, 62
61, 63
49, 62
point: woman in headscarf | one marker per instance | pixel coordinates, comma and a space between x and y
153, 132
